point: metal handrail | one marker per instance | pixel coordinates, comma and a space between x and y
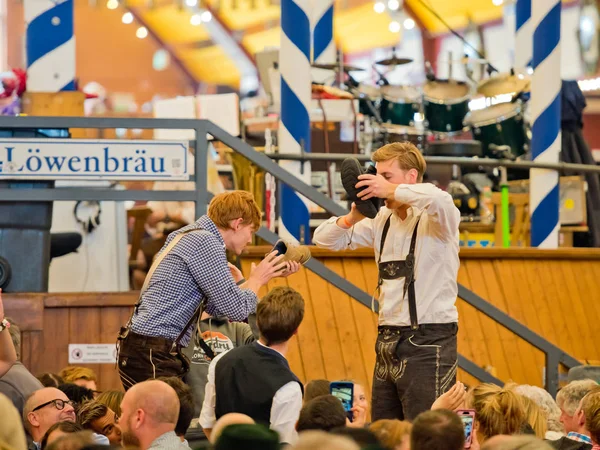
554, 355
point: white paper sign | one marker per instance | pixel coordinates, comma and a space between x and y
83, 159
92, 353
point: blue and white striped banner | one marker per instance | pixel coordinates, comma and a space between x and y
524, 34
294, 125
323, 44
545, 113
50, 45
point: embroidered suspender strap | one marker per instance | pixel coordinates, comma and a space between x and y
409, 281
409, 263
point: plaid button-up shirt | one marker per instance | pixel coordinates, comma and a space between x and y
194, 269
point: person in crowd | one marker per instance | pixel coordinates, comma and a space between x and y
554, 428
590, 407
220, 335
503, 442
50, 379
75, 441
191, 269
423, 221
256, 379
18, 383
568, 400
315, 388
497, 411
225, 421
8, 354
44, 408
11, 427
437, 430
81, 376
393, 434
100, 419
360, 404
535, 417
58, 430
248, 437
322, 413
320, 440
365, 438
112, 399
77, 394
150, 410
186, 405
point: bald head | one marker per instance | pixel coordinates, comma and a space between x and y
47, 411
225, 421
157, 399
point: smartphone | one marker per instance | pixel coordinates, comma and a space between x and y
344, 390
468, 418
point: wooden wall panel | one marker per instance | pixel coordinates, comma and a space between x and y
556, 297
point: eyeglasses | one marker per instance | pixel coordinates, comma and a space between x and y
58, 404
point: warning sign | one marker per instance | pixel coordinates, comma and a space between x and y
92, 354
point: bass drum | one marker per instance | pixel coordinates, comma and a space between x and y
445, 103
369, 99
499, 125
399, 104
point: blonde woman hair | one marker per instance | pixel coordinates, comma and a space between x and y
497, 410
112, 399
70, 374
536, 417
391, 432
544, 400
407, 155
12, 434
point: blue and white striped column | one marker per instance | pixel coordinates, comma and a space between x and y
294, 125
524, 34
50, 45
545, 115
322, 38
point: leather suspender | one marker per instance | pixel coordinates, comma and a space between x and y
409, 263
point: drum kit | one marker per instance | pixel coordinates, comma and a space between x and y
436, 116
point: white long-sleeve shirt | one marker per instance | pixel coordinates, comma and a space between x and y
285, 408
436, 252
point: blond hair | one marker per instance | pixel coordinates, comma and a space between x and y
112, 399
497, 410
535, 416
407, 155
232, 205
590, 405
391, 432
71, 374
11, 432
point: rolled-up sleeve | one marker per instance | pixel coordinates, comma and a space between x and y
333, 237
437, 204
207, 263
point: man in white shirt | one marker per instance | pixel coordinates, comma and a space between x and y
256, 379
417, 259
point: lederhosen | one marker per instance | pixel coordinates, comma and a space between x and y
392, 270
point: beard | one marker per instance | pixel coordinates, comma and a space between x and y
128, 439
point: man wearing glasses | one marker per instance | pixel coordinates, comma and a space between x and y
43, 409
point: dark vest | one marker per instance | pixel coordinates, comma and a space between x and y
246, 380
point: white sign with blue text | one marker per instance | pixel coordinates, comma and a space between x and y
83, 159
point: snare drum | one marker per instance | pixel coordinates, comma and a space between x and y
446, 103
399, 133
500, 124
399, 104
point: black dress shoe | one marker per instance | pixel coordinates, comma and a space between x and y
350, 170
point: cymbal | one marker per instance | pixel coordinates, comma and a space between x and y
465, 60
336, 67
504, 83
394, 61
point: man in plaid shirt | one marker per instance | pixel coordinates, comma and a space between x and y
194, 269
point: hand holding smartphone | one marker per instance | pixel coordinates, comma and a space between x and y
468, 419
344, 390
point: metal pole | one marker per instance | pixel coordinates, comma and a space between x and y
201, 170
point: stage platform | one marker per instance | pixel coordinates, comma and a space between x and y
555, 293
